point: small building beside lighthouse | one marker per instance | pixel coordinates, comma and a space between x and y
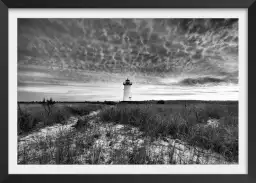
127, 90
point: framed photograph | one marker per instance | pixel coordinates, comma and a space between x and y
127, 88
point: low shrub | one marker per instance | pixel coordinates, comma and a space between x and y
26, 121
160, 102
109, 102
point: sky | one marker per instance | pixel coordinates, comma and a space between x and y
89, 59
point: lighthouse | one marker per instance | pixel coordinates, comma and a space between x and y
127, 90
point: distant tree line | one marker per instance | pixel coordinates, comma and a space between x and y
185, 102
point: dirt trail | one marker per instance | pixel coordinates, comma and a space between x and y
52, 130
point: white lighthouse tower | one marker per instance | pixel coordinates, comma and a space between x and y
127, 90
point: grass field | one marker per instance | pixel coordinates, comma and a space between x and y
30, 115
129, 133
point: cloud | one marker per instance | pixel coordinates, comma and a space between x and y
201, 81
149, 46
72, 58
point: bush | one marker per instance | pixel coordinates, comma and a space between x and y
109, 103
160, 102
25, 121
48, 104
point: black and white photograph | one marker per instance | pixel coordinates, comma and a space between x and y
129, 91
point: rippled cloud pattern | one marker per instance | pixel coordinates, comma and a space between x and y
88, 59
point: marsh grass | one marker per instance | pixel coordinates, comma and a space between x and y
29, 115
88, 144
187, 123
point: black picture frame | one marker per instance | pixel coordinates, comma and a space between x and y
5, 4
